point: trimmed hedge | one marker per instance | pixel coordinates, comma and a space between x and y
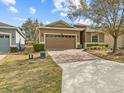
13, 49
38, 47
102, 45
97, 46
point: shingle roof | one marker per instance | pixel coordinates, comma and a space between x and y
80, 25
5, 25
56, 23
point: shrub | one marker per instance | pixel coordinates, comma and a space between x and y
38, 47
103, 45
97, 46
13, 49
121, 48
79, 46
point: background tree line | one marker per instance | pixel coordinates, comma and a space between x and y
30, 27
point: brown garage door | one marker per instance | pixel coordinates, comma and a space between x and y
60, 41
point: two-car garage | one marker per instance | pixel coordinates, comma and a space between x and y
57, 41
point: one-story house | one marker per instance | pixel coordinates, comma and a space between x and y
61, 35
11, 36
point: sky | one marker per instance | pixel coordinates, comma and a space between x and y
15, 12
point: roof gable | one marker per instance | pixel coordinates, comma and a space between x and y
59, 23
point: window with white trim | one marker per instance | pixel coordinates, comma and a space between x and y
1, 36
94, 37
6, 36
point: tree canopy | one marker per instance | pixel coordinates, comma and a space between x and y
107, 14
30, 27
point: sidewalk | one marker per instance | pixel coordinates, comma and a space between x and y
2, 56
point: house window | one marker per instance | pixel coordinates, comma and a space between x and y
1, 36
6, 36
94, 37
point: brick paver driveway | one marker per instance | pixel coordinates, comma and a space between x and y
85, 73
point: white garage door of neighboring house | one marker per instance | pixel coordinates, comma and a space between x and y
4, 43
60, 41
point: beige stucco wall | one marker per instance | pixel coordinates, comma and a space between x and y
88, 37
42, 31
109, 40
101, 37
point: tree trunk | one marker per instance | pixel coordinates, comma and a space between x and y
115, 44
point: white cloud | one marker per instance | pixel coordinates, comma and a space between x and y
84, 21
8, 2
63, 14
47, 22
32, 10
20, 19
13, 9
61, 6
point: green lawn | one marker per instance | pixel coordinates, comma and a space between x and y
103, 54
18, 75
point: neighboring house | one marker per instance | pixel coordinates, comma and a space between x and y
61, 35
10, 36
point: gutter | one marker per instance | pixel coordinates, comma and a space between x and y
56, 28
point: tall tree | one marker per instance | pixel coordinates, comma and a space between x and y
30, 27
107, 14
